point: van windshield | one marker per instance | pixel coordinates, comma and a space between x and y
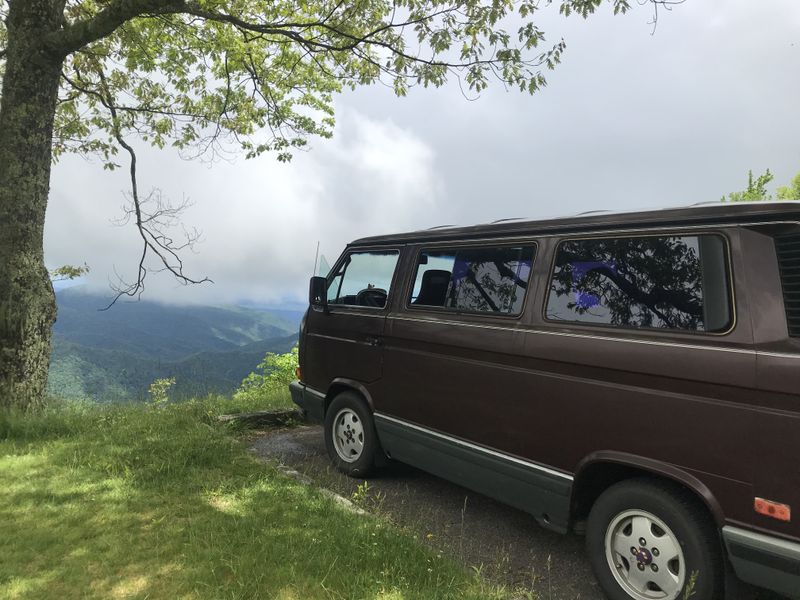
363, 279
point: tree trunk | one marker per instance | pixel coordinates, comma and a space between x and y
27, 110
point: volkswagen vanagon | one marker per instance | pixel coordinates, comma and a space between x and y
631, 377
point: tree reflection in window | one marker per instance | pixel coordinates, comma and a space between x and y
480, 279
641, 282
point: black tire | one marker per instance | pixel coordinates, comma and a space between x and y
684, 515
351, 406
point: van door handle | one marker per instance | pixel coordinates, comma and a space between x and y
373, 340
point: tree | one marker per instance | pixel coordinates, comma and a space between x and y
207, 76
756, 189
791, 191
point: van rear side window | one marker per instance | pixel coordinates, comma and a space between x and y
674, 282
478, 279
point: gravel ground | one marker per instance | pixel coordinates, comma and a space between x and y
506, 544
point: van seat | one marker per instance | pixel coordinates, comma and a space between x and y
433, 289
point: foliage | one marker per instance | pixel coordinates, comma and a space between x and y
105, 501
78, 371
689, 591
791, 191
756, 189
69, 272
188, 74
158, 391
274, 373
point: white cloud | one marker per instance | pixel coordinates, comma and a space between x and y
261, 220
629, 119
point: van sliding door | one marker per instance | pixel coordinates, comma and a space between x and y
643, 352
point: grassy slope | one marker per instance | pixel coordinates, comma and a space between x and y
117, 501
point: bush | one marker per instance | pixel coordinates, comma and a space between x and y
159, 391
270, 379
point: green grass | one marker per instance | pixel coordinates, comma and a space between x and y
131, 501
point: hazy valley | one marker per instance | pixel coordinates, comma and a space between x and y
114, 355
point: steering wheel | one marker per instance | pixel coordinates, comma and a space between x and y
374, 297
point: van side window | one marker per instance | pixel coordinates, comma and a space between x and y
363, 279
482, 279
672, 282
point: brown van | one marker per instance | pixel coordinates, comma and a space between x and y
632, 377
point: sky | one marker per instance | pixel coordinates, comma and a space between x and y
630, 119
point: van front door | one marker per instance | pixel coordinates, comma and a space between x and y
344, 341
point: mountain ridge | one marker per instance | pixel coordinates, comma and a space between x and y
114, 355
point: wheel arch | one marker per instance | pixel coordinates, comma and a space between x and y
342, 384
602, 469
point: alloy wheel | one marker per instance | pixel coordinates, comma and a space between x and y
348, 435
645, 556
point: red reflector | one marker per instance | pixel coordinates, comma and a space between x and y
297, 373
776, 510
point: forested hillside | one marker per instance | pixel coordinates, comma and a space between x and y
114, 355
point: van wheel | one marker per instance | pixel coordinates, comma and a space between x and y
650, 540
350, 436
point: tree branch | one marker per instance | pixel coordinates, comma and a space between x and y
149, 225
667, 4
81, 33
288, 30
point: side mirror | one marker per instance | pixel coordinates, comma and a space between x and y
318, 292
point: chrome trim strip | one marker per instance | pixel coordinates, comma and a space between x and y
583, 336
337, 339
567, 334
645, 342
353, 311
460, 442
457, 323
777, 354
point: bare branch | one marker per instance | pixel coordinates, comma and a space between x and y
666, 4
152, 225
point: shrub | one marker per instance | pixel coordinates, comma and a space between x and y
271, 376
159, 390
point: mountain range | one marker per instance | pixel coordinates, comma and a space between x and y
114, 355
